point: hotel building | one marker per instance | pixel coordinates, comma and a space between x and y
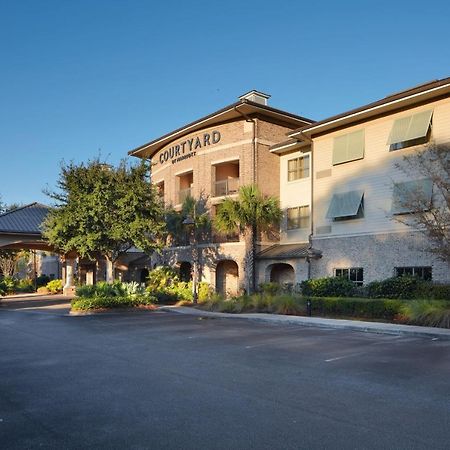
210, 159
337, 181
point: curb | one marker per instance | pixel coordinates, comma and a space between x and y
318, 322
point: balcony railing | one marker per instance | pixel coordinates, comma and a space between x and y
226, 187
183, 194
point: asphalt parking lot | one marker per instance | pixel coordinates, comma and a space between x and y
162, 380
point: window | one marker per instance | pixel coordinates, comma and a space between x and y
421, 272
354, 274
410, 130
298, 217
345, 206
298, 168
348, 147
411, 196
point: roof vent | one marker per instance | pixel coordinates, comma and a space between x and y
256, 97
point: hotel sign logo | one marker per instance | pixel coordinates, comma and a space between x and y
188, 148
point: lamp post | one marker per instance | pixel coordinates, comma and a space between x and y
191, 222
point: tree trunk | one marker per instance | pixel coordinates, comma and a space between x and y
109, 270
250, 236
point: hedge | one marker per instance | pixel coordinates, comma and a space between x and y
92, 303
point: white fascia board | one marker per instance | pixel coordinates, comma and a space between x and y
374, 109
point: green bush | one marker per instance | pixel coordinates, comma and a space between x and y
54, 286
24, 286
102, 289
42, 280
161, 277
133, 289
9, 285
328, 287
386, 309
86, 291
405, 287
431, 313
92, 303
270, 288
430, 291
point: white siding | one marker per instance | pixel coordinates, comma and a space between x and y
292, 194
375, 174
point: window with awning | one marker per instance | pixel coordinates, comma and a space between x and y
412, 196
348, 147
348, 205
410, 130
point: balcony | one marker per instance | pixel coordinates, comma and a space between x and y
225, 187
183, 194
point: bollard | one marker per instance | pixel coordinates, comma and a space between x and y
308, 307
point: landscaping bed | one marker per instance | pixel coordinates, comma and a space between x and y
432, 313
104, 297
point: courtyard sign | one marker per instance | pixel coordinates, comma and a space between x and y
188, 148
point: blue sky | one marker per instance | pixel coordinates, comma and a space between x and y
79, 76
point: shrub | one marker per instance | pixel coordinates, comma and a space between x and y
8, 285
26, 285
42, 280
133, 288
431, 313
432, 291
357, 307
161, 277
92, 303
86, 291
288, 304
404, 287
328, 287
270, 288
102, 289
54, 286
42, 290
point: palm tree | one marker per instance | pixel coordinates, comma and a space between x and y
250, 212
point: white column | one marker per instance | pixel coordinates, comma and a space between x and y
70, 270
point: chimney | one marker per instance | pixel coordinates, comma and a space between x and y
255, 97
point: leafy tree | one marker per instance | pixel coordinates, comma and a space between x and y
431, 217
250, 212
103, 210
195, 209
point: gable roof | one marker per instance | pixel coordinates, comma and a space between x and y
403, 99
24, 220
238, 110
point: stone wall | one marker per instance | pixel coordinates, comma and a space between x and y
377, 254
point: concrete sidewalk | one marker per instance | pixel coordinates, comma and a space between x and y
318, 322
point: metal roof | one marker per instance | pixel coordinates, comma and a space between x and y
289, 251
26, 219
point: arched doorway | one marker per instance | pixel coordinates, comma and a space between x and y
185, 271
227, 277
282, 274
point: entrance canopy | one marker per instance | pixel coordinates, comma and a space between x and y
20, 228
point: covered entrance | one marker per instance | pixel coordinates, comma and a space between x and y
227, 278
282, 274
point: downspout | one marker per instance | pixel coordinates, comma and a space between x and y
311, 219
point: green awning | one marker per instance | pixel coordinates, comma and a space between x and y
410, 127
348, 147
345, 205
